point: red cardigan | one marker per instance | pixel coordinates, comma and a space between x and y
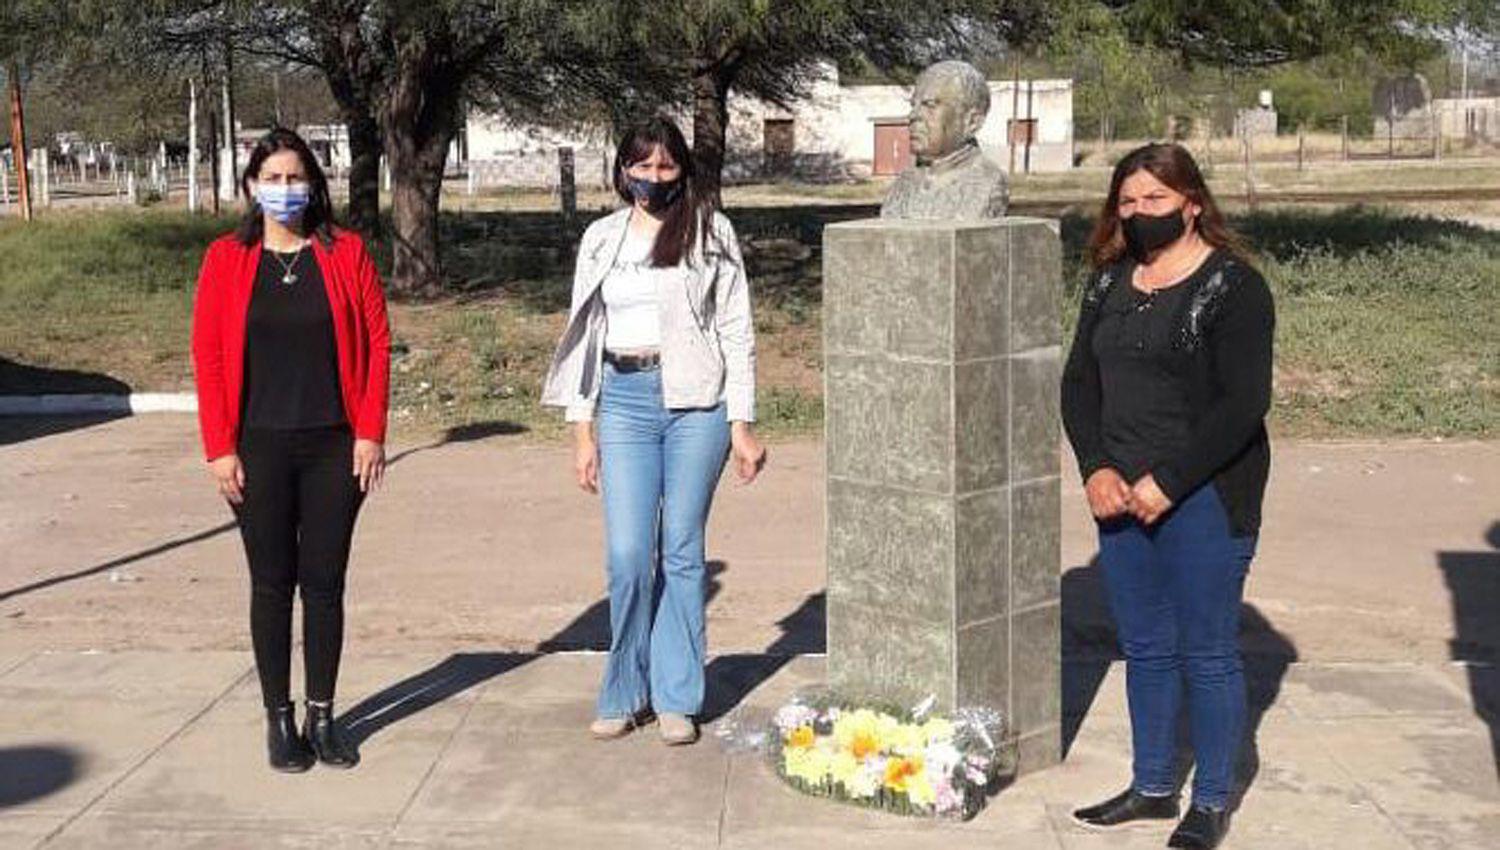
361, 335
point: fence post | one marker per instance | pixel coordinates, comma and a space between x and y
567, 183
1301, 147
44, 173
1344, 135
1249, 173
5, 187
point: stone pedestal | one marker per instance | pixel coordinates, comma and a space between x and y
942, 360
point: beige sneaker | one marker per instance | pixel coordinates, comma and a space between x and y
607, 728
678, 729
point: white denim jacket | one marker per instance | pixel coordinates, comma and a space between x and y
707, 335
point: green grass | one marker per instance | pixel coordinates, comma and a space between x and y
1386, 320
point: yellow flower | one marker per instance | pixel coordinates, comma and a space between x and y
919, 790
843, 767
809, 764
906, 739
863, 745
866, 781
801, 738
938, 729
899, 772
858, 733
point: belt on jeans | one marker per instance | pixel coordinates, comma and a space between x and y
633, 362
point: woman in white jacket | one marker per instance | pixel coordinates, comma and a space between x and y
656, 368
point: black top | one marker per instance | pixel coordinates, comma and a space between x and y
291, 363
1177, 383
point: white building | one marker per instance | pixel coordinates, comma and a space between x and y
1474, 118
837, 133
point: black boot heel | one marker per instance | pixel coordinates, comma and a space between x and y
1201, 829
286, 749
326, 739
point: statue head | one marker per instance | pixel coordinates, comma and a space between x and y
948, 106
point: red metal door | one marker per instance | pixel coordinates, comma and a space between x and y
892, 148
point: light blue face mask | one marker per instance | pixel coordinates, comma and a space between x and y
283, 202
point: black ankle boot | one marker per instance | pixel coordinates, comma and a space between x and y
324, 736
286, 750
1201, 829
1126, 807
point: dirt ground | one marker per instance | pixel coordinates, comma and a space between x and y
111, 538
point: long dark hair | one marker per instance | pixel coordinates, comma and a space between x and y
1175, 167
687, 220
317, 219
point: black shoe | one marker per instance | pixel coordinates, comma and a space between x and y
326, 740
286, 750
1201, 829
1128, 806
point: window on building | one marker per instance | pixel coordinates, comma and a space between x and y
780, 142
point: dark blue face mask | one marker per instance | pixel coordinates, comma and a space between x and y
656, 196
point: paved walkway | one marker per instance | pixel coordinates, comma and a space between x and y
152, 749
129, 715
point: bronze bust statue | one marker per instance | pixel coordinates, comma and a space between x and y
952, 178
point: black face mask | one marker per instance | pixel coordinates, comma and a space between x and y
1147, 233
657, 196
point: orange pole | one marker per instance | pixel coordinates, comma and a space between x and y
18, 140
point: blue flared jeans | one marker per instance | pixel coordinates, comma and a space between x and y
1175, 591
658, 471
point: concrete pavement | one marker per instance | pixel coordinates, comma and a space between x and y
129, 715
159, 749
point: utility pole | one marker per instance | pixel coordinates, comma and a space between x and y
1015, 109
1030, 125
192, 165
231, 154
18, 139
1464, 76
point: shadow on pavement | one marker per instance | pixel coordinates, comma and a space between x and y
454, 675
19, 429
32, 772
125, 560
731, 678
1473, 580
460, 434
457, 673
468, 433
1091, 645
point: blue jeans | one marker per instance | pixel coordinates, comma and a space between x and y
658, 470
1175, 591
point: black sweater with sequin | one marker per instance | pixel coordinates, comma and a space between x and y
1176, 384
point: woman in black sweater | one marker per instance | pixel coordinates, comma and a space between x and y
1164, 400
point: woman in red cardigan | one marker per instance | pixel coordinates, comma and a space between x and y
291, 354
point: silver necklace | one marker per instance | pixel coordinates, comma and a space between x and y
287, 276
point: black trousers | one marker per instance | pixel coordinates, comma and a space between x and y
296, 521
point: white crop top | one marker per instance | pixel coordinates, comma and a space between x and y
632, 297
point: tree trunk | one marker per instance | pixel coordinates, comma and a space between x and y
354, 82
417, 124
364, 173
710, 123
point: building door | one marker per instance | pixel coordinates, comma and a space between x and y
780, 143
892, 148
